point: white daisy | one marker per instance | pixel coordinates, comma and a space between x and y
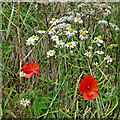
55, 38
99, 52
52, 31
71, 32
83, 36
98, 40
108, 59
29, 42
50, 53
34, 37
88, 54
54, 21
22, 74
83, 30
78, 20
24, 102
59, 43
70, 45
95, 63
41, 31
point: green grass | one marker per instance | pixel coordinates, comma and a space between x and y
55, 94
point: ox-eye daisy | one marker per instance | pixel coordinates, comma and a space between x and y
83, 36
54, 21
34, 37
52, 31
88, 54
59, 43
83, 30
99, 52
70, 45
22, 74
78, 20
55, 38
108, 59
24, 102
29, 42
41, 31
95, 63
71, 32
50, 53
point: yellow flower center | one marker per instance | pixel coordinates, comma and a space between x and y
69, 43
95, 63
99, 52
24, 102
100, 37
70, 30
78, 20
33, 37
41, 30
60, 42
51, 30
22, 73
58, 45
53, 19
50, 52
55, 37
88, 53
83, 29
29, 42
108, 58
84, 34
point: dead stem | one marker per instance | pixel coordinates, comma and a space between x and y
20, 90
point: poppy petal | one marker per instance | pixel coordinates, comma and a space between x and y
33, 66
29, 75
90, 95
38, 73
88, 81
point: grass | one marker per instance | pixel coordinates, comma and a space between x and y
55, 94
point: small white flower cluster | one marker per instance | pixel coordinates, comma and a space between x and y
31, 40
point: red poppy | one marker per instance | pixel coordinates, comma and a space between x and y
30, 69
89, 87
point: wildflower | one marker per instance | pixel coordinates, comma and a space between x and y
59, 43
71, 32
22, 74
52, 31
95, 63
98, 40
30, 69
102, 22
78, 20
50, 53
90, 47
99, 52
83, 30
83, 36
41, 31
70, 45
55, 38
29, 42
89, 87
24, 102
34, 37
88, 54
54, 21
108, 59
